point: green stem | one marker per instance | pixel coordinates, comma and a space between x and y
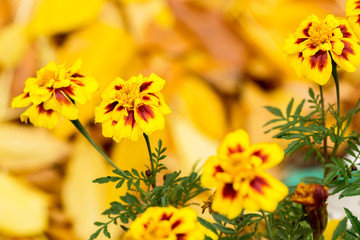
83, 131
337, 85
324, 124
267, 225
153, 173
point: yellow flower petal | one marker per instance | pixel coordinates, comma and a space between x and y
352, 7
349, 58
211, 167
40, 117
271, 154
318, 67
234, 142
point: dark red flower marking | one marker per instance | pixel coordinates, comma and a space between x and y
42, 110
146, 98
114, 123
110, 107
319, 60
357, 3
77, 82
263, 157
145, 112
175, 224
118, 87
306, 29
218, 169
165, 217
236, 149
345, 31
181, 236
26, 95
358, 20
68, 90
77, 75
228, 191
145, 86
129, 119
258, 183
346, 50
61, 98
300, 40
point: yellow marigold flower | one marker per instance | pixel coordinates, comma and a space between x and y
132, 107
238, 174
352, 8
165, 223
313, 45
54, 91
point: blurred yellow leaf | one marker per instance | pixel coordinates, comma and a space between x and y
203, 106
20, 150
23, 210
13, 44
330, 228
60, 16
83, 200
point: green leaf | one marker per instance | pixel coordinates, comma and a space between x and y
275, 111
207, 224
289, 108
106, 232
106, 179
99, 223
354, 221
299, 108
329, 177
224, 229
95, 234
340, 229
246, 236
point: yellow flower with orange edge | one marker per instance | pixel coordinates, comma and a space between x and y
238, 174
133, 107
316, 43
54, 92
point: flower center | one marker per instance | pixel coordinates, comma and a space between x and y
128, 94
320, 33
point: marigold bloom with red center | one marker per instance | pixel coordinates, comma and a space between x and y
54, 91
238, 174
313, 45
166, 223
310, 195
132, 107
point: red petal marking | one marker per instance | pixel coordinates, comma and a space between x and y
346, 50
145, 86
345, 31
114, 123
166, 217
76, 75
228, 191
145, 112
42, 110
319, 60
78, 82
358, 20
146, 224
300, 40
358, 4
264, 158
61, 98
181, 236
26, 95
68, 90
306, 30
218, 169
175, 224
129, 119
301, 56
258, 183
146, 98
236, 149
110, 107
118, 87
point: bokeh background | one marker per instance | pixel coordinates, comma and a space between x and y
223, 63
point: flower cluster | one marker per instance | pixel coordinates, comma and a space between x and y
316, 43
132, 107
162, 223
54, 92
238, 174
